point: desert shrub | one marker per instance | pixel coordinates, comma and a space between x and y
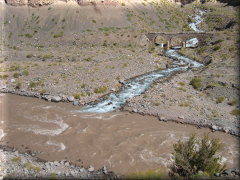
149, 174
42, 91
157, 104
196, 83
33, 84
182, 89
220, 99
25, 72
232, 102
60, 34
3, 76
30, 166
151, 49
202, 49
18, 85
216, 47
29, 55
83, 85
76, 96
28, 35
235, 112
46, 56
15, 67
105, 43
181, 83
53, 176
16, 159
102, 89
16, 75
195, 156
88, 59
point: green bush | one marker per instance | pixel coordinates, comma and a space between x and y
196, 83
196, 156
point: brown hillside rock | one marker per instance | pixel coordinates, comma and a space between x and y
33, 3
17, 2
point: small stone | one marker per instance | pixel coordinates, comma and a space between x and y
105, 170
13, 80
181, 117
121, 81
75, 103
56, 163
162, 118
113, 89
91, 169
134, 110
226, 130
70, 98
82, 169
214, 127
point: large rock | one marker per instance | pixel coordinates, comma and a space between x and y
70, 98
56, 98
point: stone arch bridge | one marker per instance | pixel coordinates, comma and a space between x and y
183, 36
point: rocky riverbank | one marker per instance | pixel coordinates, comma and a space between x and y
27, 166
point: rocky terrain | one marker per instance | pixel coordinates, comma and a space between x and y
66, 52
26, 166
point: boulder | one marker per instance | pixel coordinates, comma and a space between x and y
134, 110
56, 98
70, 98
162, 118
214, 128
180, 117
91, 169
75, 103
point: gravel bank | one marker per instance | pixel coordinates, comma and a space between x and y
26, 166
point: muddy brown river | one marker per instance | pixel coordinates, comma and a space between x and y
121, 141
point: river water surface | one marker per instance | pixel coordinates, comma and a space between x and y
121, 141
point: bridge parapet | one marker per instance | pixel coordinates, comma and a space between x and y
184, 36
